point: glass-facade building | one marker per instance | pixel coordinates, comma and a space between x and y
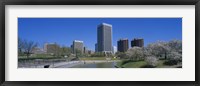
104, 37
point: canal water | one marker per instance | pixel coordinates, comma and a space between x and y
96, 65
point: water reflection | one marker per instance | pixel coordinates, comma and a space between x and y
96, 65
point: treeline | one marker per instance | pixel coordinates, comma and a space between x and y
170, 51
26, 48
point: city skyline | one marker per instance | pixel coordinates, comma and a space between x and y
64, 31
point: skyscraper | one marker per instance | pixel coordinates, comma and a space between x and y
104, 37
96, 47
77, 46
138, 42
122, 45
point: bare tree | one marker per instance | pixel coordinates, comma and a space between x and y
28, 47
20, 46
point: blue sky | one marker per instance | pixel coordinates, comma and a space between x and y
64, 30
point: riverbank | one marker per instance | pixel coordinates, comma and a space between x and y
61, 64
143, 64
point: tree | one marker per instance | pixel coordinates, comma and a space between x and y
28, 47
78, 53
174, 56
175, 46
157, 49
175, 53
122, 55
65, 51
151, 61
20, 46
135, 53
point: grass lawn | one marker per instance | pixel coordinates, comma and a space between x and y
134, 64
160, 64
139, 64
92, 58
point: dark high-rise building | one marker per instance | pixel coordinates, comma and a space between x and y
122, 45
137, 42
96, 47
85, 50
104, 38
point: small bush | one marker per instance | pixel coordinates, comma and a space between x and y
171, 62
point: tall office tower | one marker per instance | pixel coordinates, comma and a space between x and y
138, 42
96, 47
77, 46
104, 38
122, 45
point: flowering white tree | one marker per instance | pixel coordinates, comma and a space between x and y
157, 49
175, 46
151, 60
174, 56
135, 53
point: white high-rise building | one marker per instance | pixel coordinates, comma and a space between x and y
114, 49
78, 45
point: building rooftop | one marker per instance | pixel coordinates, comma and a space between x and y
123, 39
106, 24
50, 43
78, 41
138, 39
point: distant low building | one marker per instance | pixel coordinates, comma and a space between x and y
51, 48
37, 50
90, 52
